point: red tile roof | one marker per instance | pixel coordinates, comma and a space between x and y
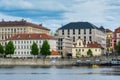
108, 30
21, 23
117, 30
94, 45
53, 52
30, 36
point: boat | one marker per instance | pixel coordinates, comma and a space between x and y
95, 66
115, 61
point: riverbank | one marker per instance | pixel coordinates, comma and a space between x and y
9, 62
36, 62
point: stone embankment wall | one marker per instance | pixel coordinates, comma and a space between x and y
37, 62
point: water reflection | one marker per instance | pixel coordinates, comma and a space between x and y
58, 73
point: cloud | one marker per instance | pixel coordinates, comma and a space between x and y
12, 18
33, 4
15, 4
54, 13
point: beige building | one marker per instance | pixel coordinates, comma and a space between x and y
81, 47
10, 28
109, 37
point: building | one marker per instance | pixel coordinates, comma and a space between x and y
54, 54
10, 28
23, 42
116, 37
83, 30
81, 47
64, 45
109, 37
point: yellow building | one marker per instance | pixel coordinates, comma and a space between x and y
10, 28
109, 36
80, 48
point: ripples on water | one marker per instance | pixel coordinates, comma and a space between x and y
60, 73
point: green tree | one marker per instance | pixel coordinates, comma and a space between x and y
89, 52
118, 48
45, 50
9, 48
1, 50
78, 54
34, 49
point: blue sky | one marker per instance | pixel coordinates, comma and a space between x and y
54, 13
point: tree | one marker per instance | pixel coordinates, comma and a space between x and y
1, 50
78, 54
118, 48
45, 50
9, 48
89, 52
34, 49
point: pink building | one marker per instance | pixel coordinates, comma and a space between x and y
116, 37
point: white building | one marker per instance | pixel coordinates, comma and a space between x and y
23, 42
64, 45
83, 30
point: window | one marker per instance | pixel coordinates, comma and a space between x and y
73, 38
84, 38
76, 50
90, 32
79, 50
79, 37
62, 31
96, 50
79, 43
68, 32
21, 42
79, 31
84, 31
82, 50
90, 39
73, 31
15, 30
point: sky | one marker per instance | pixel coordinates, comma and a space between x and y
55, 13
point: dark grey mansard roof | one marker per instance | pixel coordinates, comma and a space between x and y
78, 25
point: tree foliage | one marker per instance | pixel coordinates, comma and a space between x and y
78, 54
45, 50
118, 48
9, 48
1, 49
34, 49
89, 52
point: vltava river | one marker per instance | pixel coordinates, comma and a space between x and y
61, 73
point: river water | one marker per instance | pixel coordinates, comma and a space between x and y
60, 73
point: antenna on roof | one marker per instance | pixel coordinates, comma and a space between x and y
2, 20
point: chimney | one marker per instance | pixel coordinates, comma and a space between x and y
40, 36
40, 24
23, 20
18, 37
